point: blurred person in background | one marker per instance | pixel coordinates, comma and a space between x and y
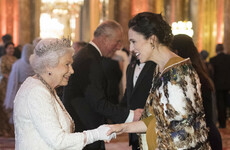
6, 39
21, 69
18, 51
204, 55
221, 67
78, 45
7, 61
122, 56
183, 45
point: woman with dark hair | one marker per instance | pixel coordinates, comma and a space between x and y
21, 69
6, 63
174, 116
183, 45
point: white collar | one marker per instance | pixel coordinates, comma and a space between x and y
91, 42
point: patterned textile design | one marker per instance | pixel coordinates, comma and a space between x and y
177, 104
148, 111
5, 66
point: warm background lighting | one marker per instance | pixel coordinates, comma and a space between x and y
58, 18
182, 27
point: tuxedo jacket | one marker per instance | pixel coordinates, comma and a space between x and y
85, 95
136, 96
113, 76
221, 66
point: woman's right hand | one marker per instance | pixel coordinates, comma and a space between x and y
116, 128
132, 127
99, 133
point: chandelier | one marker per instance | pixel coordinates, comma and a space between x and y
61, 7
58, 17
182, 27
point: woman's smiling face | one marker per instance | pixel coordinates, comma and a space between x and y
140, 46
10, 49
63, 70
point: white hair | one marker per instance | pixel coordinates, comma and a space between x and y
48, 52
107, 28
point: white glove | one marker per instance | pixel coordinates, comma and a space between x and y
99, 133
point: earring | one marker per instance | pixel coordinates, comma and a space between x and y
49, 73
153, 46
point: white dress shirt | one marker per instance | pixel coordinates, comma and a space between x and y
137, 72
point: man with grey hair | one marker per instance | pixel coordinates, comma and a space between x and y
85, 97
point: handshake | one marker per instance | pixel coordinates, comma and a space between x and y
100, 133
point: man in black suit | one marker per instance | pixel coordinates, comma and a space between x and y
85, 97
221, 77
113, 76
138, 83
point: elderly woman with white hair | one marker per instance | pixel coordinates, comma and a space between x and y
41, 121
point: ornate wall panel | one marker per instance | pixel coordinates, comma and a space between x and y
139, 6
35, 18
9, 18
203, 14
123, 15
128, 8
85, 22
20, 18
25, 21
193, 10
227, 26
156, 6
220, 20
95, 10
208, 26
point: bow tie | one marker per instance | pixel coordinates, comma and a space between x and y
138, 62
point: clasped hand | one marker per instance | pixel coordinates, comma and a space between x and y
103, 131
100, 133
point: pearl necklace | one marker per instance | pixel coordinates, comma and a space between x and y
72, 127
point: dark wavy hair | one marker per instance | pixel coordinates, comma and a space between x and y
149, 24
8, 43
183, 45
6, 38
